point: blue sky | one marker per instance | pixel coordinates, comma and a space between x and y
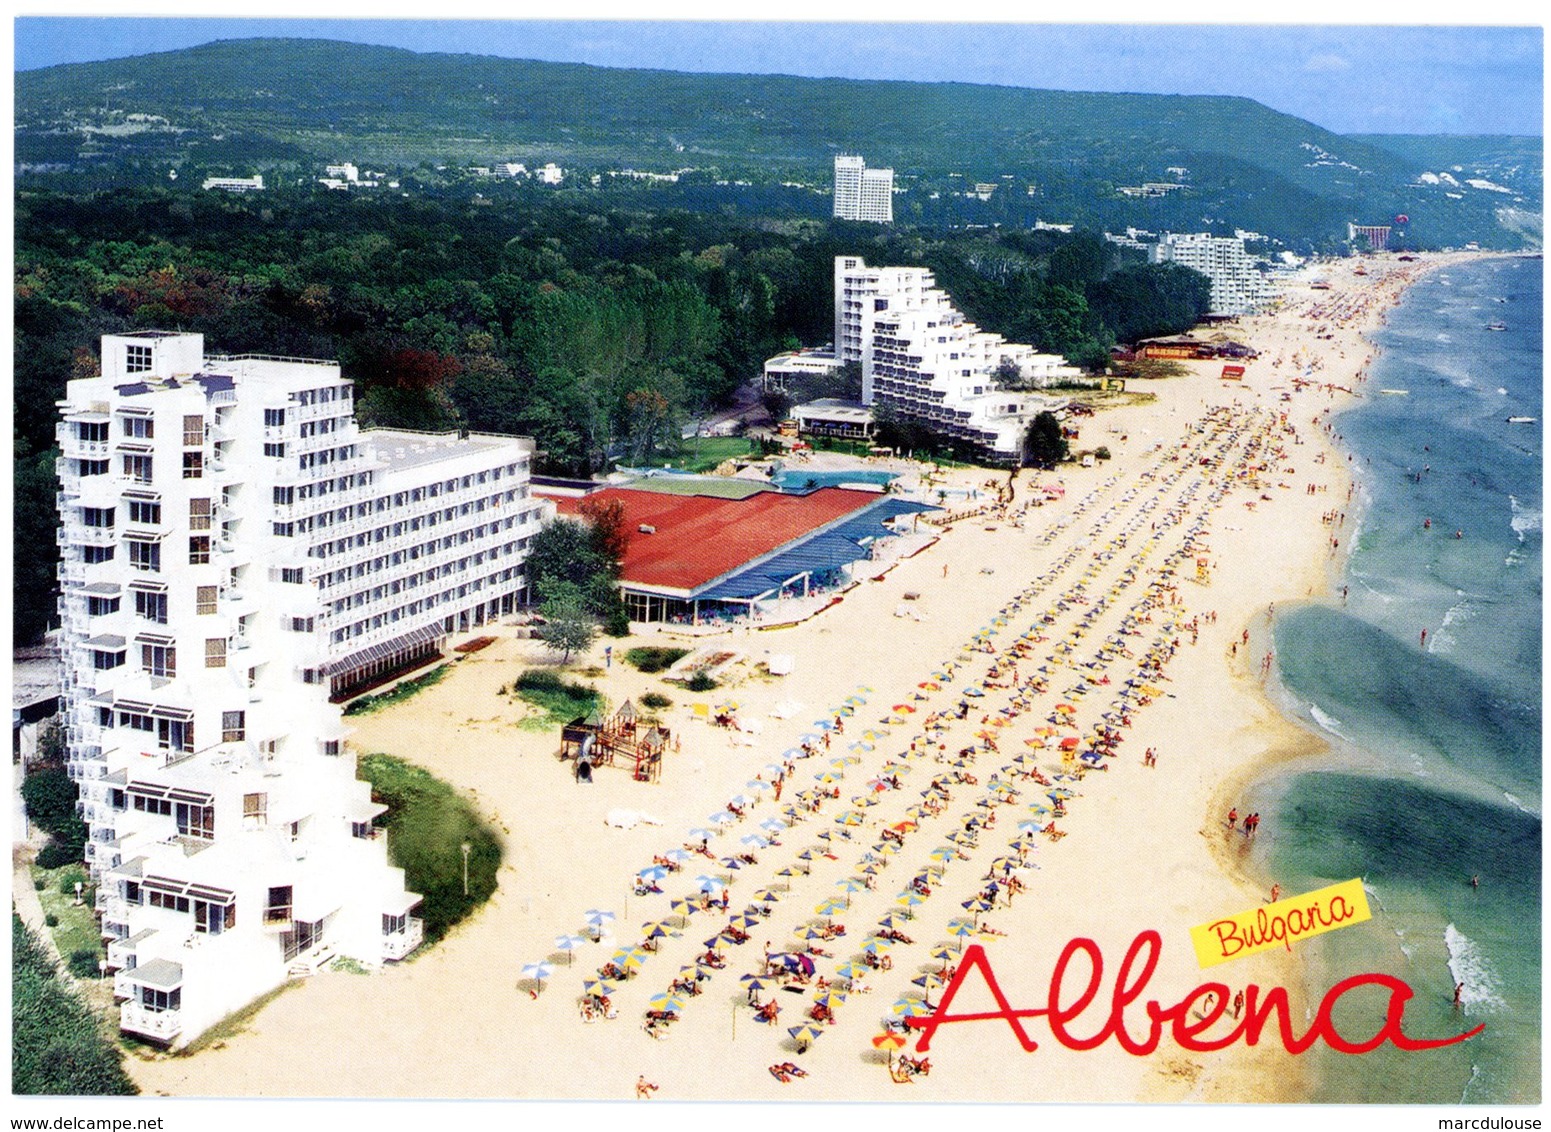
1350, 79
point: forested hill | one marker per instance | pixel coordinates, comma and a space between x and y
250, 105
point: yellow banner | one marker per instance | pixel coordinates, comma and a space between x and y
1280, 924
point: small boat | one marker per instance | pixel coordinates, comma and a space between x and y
1521, 420
1396, 392
1497, 326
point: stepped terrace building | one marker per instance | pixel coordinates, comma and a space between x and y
920, 356
236, 557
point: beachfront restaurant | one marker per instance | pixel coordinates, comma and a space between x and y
816, 564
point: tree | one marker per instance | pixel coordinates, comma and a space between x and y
1044, 447
610, 537
568, 626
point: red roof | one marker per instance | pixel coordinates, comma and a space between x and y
699, 538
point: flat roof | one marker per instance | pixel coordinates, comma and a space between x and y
403, 450
699, 539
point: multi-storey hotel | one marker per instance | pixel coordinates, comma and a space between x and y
920, 356
236, 557
1238, 286
862, 193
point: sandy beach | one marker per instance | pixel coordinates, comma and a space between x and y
1091, 599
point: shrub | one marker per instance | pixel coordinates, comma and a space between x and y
701, 682
69, 879
656, 700
83, 964
654, 658
50, 920
58, 853
1101, 453
617, 623
50, 797
40, 884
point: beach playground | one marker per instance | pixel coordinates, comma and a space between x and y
1045, 747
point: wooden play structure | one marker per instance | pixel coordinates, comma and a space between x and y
622, 739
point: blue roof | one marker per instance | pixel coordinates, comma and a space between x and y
848, 542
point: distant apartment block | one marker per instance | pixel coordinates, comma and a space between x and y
862, 193
1149, 189
236, 557
550, 174
1238, 284
921, 357
783, 370
1376, 236
252, 184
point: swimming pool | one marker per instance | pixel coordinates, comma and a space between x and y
802, 479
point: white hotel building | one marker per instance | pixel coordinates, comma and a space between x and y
920, 356
234, 553
862, 193
1238, 286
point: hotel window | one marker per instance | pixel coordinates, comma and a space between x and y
255, 811
141, 511
175, 734
393, 925
159, 1001
274, 449
137, 359
101, 606
199, 550
93, 554
284, 495
213, 919
332, 746
199, 514
278, 908
141, 428
173, 903
196, 821
361, 829
274, 418
138, 468
193, 465
215, 652
145, 556
299, 624
92, 467
204, 600
292, 575
152, 806
103, 660
159, 660
233, 726
193, 431
97, 517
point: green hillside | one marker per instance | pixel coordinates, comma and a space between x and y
291, 105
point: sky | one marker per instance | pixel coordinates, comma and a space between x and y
1356, 78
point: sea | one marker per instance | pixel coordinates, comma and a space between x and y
1433, 774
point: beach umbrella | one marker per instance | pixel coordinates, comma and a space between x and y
710, 884
722, 817
805, 1035
569, 944
831, 999
731, 863
677, 855
538, 972
830, 907
701, 834
910, 1008
744, 922
767, 896
754, 840
847, 971
597, 988
599, 918
874, 946
653, 873
909, 899
758, 785
754, 982
772, 825
682, 907
666, 1001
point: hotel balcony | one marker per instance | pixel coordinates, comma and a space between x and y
159, 1025
399, 944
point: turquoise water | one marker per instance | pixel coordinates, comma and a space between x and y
1434, 770
805, 479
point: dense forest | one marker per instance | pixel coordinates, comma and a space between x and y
285, 107
599, 333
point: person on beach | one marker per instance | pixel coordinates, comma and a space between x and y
1475, 880
1233, 817
1459, 990
1238, 1003
644, 1088
1276, 893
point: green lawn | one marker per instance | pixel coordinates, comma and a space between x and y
704, 453
77, 928
428, 823
560, 700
